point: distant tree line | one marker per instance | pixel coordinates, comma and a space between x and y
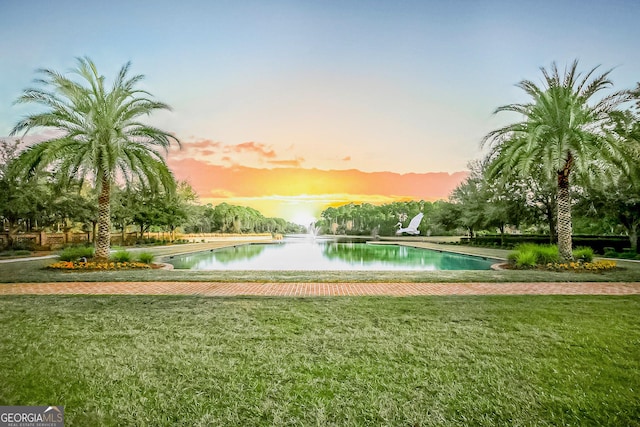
226, 218
382, 220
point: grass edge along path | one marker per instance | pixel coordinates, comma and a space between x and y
419, 361
222, 289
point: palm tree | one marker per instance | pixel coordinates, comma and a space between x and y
100, 137
564, 130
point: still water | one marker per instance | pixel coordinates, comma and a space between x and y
327, 256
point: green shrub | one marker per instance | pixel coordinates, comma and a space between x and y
121, 256
544, 254
526, 259
146, 257
74, 253
610, 254
583, 253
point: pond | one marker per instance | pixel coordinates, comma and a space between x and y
327, 256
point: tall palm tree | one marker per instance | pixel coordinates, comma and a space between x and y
100, 137
567, 131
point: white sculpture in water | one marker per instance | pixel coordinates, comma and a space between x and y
413, 225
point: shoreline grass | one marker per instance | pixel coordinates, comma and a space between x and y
165, 361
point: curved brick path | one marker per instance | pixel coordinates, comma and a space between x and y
318, 289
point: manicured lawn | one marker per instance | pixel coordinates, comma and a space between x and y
419, 361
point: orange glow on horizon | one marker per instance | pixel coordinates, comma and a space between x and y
298, 194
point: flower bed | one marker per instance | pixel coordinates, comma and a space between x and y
547, 257
97, 266
592, 267
575, 266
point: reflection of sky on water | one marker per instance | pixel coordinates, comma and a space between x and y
329, 256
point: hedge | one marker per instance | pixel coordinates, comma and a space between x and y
595, 242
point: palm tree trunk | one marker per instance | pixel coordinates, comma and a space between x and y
103, 242
564, 213
550, 213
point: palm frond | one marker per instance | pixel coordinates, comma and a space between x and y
561, 119
98, 125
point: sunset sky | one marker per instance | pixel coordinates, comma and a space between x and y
289, 106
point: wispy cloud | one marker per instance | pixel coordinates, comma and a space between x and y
204, 143
297, 162
198, 149
246, 153
260, 149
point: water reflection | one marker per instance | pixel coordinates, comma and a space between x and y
201, 260
328, 255
392, 255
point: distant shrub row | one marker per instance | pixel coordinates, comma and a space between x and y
625, 254
599, 244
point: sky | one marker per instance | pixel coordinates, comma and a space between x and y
292, 106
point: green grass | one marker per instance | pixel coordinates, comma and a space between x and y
14, 253
419, 361
32, 271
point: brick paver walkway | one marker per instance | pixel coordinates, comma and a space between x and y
318, 289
